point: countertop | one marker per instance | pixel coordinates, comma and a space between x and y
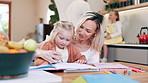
131, 45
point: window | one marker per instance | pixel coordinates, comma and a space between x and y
5, 17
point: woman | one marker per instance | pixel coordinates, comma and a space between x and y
113, 32
89, 37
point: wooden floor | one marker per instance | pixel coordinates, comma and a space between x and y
140, 77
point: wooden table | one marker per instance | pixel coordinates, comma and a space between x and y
141, 77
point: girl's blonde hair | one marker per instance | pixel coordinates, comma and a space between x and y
97, 39
58, 26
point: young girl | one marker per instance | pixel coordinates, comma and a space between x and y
113, 32
59, 41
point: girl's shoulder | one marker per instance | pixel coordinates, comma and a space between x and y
46, 45
118, 24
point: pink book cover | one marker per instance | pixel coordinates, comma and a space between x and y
111, 66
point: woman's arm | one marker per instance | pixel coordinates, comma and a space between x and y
48, 55
39, 61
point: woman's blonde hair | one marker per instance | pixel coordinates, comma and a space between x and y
58, 26
97, 39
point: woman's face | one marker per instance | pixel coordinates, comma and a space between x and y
63, 38
112, 17
86, 30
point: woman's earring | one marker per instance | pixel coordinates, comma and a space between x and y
95, 35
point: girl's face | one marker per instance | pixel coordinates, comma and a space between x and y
63, 38
86, 30
112, 17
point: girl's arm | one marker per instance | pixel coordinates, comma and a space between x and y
79, 58
75, 55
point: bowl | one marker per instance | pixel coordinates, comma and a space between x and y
15, 65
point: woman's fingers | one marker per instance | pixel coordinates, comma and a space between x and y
51, 56
51, 60
57, 56
81, 61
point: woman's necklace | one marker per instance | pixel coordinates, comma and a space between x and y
82, 47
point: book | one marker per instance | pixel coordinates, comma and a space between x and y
111, 66
66, 67
104, 78
79, 80
80, 70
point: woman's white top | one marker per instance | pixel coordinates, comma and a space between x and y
92, 56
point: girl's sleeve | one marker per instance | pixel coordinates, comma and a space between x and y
79, 56
74, 55
38, 60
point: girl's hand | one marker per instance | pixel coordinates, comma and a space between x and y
81, 61
108, 37
104, 60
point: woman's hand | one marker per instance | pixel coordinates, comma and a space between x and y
49, 55
81, 61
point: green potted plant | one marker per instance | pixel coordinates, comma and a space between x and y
111, 4
55, 17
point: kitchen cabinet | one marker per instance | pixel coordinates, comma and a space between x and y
128, 53
41, 31
141, 5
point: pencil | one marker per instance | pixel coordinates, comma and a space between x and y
112, 72
107, 72
136, 67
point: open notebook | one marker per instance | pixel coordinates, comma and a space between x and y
66, 67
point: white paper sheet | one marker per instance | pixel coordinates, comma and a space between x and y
73, 66
36, 77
